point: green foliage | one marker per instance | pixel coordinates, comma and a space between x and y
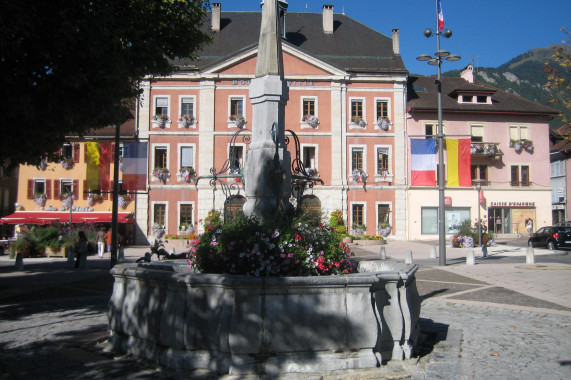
76, 65
28, 246
287, 247
212, 220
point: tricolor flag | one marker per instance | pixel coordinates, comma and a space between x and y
98, 158
440, 16
134, 166
459, 162
423, 162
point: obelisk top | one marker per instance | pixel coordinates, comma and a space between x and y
270, 60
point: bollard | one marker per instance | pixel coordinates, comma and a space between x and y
383, 253
408, 259
70, 256
470, 259
433, 252
121, 254
20, 261
529, 256
485, 250
172, 251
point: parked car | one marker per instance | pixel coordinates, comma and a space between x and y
551, 237
4, 246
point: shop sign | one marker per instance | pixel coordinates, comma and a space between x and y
512, 204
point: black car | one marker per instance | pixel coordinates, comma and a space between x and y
551, 237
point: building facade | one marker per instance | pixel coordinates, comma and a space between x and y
346, 106
560, 173
509, 157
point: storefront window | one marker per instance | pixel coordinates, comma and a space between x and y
453, 217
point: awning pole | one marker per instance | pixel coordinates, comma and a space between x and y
115, 210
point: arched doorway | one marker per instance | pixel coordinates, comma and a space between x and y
311, 207
233, 207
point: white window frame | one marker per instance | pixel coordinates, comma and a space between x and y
153, 147
153, 203
518, 128
434, 123
480, 126
364, 204
389, 109
180, 99
303, 124
181, 203
231, 123
179, 157
315, 147
244, 152
154, 122
63, 181
377, 204
41, 180
363, 100
390, 175
364, 150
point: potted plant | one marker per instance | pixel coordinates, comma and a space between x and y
384, 229
161, 120
67, 199
162, 174
158, 230
67, 163
186, 120
359, 229
43, 164
239, 120
359, 176
311, 172
94, 198
188, 174
124, 200
359, 120
40, 199
312, 120
384, 123
186, 228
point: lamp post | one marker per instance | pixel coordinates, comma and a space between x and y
478, 183
439, 56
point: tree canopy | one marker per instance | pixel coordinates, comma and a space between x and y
558, 73
70, 66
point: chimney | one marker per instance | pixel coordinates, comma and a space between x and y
215, 17
328, 19
396, 42
468, 74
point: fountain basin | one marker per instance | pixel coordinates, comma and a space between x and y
235, 325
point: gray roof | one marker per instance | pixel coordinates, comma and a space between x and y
423, 97
352, 47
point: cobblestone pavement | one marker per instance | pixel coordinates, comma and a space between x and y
53, 325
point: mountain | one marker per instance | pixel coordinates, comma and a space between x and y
522, 76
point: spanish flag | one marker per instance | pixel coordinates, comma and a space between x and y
459, 162
98, 158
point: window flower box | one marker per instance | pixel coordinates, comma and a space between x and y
158, 230
311, 120
238, 120
187, 174
186, 229
312, 172
67, 199
43, 164
67, 163
186, 121
40, 199
359, 176
522, 144
384, 229
162, 174
124, 200
359, 121
93, 198
161, 120
384, 123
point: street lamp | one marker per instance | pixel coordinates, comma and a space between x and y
436, 60
478, 183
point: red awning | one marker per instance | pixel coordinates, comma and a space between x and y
47, 217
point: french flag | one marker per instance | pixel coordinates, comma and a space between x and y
440, 16
423, 162
134, 166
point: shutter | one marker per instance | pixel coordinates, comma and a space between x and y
113, 152
76, 152
48, 188
30, 189
85, 153
56, 188
85, 189
76, 188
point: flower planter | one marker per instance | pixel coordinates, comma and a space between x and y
241, 325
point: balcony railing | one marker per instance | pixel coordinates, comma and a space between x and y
486, 150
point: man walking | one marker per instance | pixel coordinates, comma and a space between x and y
100, 242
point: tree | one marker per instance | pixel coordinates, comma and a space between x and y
70, 66
558, 74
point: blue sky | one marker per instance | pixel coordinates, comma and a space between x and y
486, 33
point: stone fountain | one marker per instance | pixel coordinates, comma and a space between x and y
236, 325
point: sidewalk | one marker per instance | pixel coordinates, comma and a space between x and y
485, 321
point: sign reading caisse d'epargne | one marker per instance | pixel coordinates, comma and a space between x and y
512, 204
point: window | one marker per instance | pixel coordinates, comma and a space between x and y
39, 187
237, 106
482, 99
159, 213
236, 156
357, 111
161, 105
518, 132
186, 156
519, 173
358, 215
185, 215
308, 157
480, 174
477, 133
357, 159
308, 107
453, 216
383, 213
382, 109
161, 157
67, 151
187, 106
382, 160
66, 186
429, 130
467, 98
557, 168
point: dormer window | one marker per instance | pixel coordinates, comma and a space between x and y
474, 99
467, 98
